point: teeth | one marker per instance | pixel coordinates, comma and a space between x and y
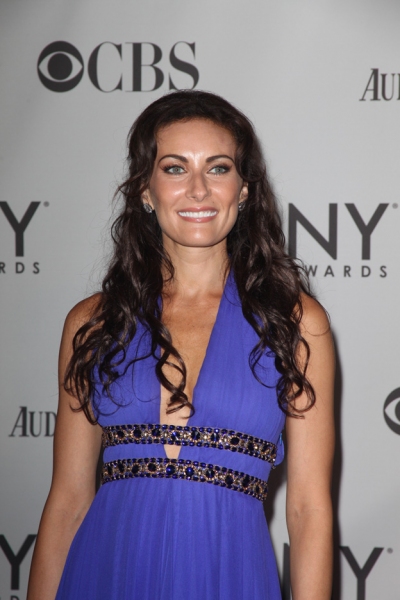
200, 214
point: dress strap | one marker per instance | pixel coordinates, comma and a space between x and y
185, 469
207, 437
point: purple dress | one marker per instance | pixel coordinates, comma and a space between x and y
193, 528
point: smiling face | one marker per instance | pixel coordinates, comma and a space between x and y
195, 188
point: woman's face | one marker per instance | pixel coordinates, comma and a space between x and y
195, 188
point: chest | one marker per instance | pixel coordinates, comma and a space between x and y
190, 326
220, 383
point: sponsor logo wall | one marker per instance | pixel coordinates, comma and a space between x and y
322, 87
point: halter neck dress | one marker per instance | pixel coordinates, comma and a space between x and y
191, 528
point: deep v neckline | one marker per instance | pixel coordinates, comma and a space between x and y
202, 368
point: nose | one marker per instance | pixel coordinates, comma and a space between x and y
197, 187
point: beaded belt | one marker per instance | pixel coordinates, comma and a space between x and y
185, 469
207, 437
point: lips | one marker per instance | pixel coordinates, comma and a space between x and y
198, 214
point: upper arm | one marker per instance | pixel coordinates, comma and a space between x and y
311, 438
76, 441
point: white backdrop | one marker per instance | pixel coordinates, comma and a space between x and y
321, 82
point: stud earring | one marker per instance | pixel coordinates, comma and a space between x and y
147, 207
240, 206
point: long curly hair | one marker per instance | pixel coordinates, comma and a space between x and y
269, 282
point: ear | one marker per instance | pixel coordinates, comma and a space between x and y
146, 198
244, 192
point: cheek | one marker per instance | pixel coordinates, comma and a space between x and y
164, 195
231, 194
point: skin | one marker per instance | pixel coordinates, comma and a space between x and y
309, 461
194, 170
193, 182
76, 451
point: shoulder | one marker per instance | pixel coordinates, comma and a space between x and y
318, 350
314, 319
77, 317
82, 312
315, 353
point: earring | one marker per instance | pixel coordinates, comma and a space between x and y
147, 207
240, 206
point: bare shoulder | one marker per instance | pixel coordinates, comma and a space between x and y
312, 435
315, 320
315, 329
82, 312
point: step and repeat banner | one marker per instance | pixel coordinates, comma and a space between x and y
321, 82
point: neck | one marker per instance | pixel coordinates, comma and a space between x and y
197, 271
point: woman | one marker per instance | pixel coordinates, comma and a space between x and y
203, 340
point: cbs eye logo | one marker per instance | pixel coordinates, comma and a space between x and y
391, 411
60, 67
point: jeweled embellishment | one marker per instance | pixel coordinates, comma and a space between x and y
185, 469
207, 437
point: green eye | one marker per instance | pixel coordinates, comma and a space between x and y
220, 169
174, 169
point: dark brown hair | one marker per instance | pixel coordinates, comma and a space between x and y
269, 282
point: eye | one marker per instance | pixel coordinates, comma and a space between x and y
220, 169
174, 169
60, 67
391, 411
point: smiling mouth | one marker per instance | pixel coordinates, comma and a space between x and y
201, 214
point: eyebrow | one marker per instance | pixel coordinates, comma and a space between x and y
177, 156
185, 160
217, 156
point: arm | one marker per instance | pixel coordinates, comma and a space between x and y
76, 451
310, 457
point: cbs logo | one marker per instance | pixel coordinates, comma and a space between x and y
60, 67
131, 67
391, 411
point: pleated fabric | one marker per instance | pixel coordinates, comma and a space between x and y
174, 539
